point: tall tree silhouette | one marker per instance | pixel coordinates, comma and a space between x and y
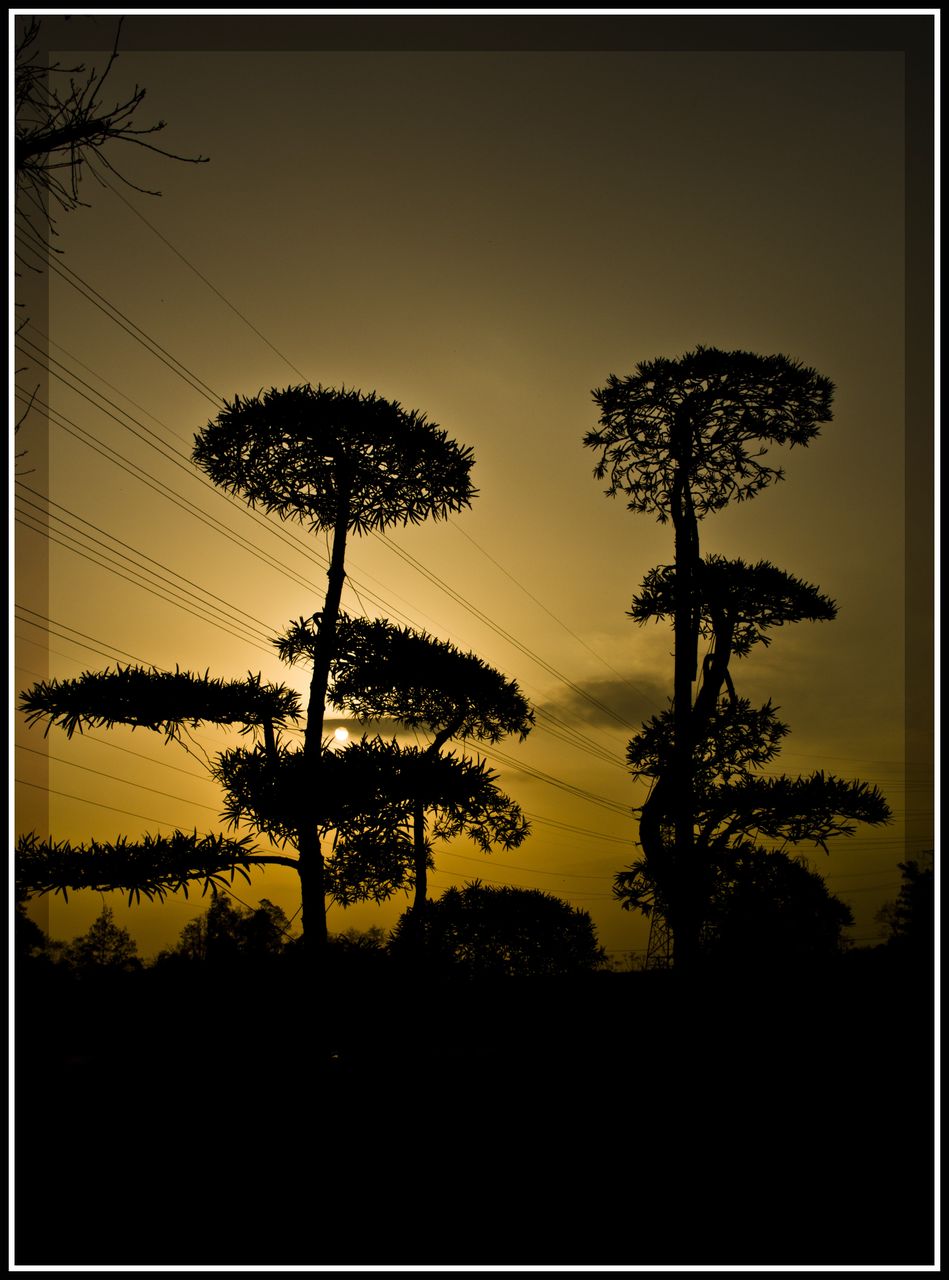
682, 439
385, 671
343, 462
336, 460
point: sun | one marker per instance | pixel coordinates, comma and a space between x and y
341, 734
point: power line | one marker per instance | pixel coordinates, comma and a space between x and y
641, 693
105, 382
111, 455
590, 745
98, 803
107, 451
213, 289
495, 627
112, 778
510, 866
151, 346
501, 631
70, 546
583, 831
117, 746
65, 627
511, 639
231, 607
579, 792
574, 738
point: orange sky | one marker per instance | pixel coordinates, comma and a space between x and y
484, 236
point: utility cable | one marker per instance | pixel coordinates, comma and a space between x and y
420, 568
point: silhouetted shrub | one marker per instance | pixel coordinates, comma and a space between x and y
481, 931
771, 909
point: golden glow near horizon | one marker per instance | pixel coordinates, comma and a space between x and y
486, 258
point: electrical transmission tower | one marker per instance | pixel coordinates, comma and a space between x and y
659, 946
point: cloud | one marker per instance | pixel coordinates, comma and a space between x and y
591, 702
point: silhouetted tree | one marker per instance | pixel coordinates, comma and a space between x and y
681, 439
335, 460
225, 933
910, 920
480, 931
342, 462
30, 942
105, 946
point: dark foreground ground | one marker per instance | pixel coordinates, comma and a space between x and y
195, 1119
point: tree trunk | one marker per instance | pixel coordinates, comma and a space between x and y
414, 921
421, 861
312, 891
686, 935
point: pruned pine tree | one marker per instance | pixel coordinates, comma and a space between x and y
345, 463
334, 460
743, 822
682, 439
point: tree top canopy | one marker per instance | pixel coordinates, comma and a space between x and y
698, 419
314, 453
749, 598
384, 670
